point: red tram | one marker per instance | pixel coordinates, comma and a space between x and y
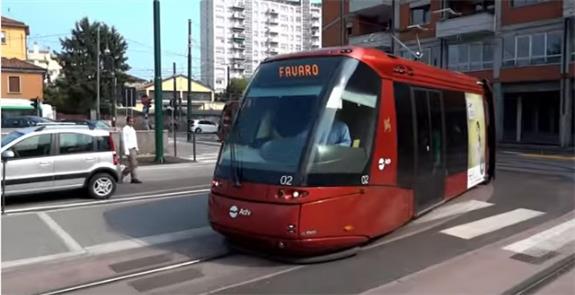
334, 147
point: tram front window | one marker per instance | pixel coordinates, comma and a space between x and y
341, 150
325, 106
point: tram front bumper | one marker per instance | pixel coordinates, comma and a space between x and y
270, 227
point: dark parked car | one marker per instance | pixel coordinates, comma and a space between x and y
23, 121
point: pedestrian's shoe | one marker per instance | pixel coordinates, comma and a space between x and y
136, 181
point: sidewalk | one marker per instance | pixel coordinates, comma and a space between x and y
539, 150
491, 269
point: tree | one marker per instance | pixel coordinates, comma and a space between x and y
75, 91
236, 88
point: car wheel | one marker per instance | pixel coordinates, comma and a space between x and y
198, 130
101, 186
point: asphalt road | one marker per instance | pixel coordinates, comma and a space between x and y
486, 241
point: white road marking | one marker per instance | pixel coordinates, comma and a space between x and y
490, 224
112, 247
105, 202
172, 166
452, 210
546, 241
268, 276
39, 259
60, 232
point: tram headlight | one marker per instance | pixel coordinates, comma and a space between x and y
290, 194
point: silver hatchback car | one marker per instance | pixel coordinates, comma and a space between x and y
60, 157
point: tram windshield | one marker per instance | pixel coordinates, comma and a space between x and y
304, 121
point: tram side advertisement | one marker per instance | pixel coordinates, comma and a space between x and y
476, 139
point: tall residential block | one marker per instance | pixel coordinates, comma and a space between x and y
236, 35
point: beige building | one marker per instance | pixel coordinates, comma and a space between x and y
20, 79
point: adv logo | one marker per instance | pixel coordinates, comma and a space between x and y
235, 212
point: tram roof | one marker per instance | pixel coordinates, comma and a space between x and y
396, 68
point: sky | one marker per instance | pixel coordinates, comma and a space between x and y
50, 20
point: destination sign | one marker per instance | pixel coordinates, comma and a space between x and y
299, 71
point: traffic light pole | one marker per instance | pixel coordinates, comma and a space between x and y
98, 74
158, 102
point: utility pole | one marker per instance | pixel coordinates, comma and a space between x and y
189, 93
98, 73
174, 110
115, 100
191, 134
158, 102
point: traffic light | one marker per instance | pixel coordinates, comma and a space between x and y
35, 103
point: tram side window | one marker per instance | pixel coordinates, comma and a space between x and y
405, 135
345, 135
456, 131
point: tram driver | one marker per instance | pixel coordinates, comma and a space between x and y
339, 134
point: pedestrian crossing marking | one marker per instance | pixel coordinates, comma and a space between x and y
490, 224
545, 242
452, 210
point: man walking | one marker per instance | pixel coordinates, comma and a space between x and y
130, 149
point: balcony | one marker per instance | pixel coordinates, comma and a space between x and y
272, 22
238, 67
238, 6
360, 7
238, 27
238, 37
272, 13
568, 8
379, 39
272, 51
238, 15
272, 32
272, 42
478, 23
238, 46
238, 57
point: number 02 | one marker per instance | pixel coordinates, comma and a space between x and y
286, 180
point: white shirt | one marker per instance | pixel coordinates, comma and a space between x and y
129, 138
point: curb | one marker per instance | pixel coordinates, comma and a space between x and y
531, 284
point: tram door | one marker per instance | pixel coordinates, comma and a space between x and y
430, 149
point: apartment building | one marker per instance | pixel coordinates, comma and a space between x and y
236, 35
525, 47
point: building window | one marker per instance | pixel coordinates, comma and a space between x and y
3, 37
470, 56
539, 48
420, 15
519, 3
553, 47
14, 84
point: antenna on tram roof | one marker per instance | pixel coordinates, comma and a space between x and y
419, 53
